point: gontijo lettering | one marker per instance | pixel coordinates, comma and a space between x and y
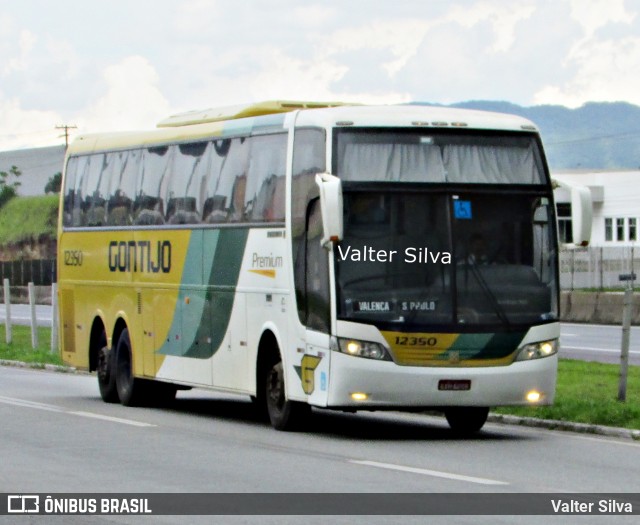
140, 256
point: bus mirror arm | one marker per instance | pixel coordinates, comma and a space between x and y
331, 208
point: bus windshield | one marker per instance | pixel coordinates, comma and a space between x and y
444, 255
444, 157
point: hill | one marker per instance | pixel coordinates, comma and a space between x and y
602, 135
28, 228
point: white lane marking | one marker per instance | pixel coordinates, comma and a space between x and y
113, 419
52, 408
592, 349
29, 404
427, 472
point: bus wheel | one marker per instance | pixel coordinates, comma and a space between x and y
130, 390
283, 414
466, 420
107, 376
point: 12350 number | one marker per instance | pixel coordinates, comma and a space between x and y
73, 258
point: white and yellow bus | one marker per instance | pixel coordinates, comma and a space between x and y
333, 256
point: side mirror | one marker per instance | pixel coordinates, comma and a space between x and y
581, 215
331, 207
581, 211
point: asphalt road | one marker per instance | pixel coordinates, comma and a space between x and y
21, 314
601, 343
56, 435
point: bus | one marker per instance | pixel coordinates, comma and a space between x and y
334, 256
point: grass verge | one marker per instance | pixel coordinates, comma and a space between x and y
20, 347
586, 392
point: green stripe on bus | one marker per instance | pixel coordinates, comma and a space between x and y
486, 346
204, 319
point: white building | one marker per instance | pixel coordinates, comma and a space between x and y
37, 165
616, 205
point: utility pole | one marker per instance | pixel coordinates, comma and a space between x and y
626, 329
66, 129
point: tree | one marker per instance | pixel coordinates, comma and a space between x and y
54, 184
9, 190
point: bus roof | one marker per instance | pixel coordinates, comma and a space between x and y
415, 116
221, 122
269, 107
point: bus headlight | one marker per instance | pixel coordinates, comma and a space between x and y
366, 349
537, 350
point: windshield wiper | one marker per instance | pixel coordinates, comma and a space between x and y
487, 290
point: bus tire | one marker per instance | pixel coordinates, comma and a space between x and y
283, 413
466, 420
131, 390
106, 376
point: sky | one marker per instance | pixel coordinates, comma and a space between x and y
126, 64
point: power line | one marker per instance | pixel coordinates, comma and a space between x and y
26, 133
626, 134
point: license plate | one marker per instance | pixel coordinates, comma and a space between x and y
454, 384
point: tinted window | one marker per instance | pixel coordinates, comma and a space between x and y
187, 174
264, 195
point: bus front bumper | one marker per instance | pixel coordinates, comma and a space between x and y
367, 384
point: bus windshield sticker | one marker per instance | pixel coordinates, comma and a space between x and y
380, 307
462, 209
419, 306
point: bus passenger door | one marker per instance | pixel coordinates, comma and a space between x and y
315, 362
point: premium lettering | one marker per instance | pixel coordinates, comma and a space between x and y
266, 261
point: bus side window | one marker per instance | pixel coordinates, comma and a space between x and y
124, 173
97, 181
264, 199
187, 170
234, 178
69, 191
149, 203
214, 209
78, 212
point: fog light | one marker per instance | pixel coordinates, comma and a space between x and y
534, 396
359, 396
